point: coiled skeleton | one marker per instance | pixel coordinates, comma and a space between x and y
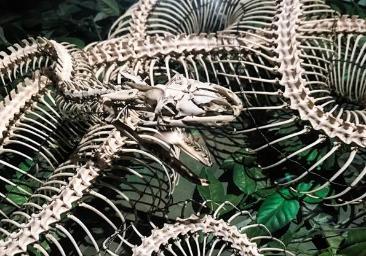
208, 234
78, 116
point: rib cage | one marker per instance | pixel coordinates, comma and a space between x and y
294, 63
205, 234
258, 71
36, 133
21, 59
70, 187
157, 17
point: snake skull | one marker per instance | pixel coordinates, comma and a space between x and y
178, 104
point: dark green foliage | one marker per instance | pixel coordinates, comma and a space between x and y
354, 243
350, 7
215, 193
289, 213
277, 210
243, 181
74, 21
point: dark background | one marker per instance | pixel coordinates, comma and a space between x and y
76, 21
84, 21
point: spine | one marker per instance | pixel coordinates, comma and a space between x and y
139, 18
288, 20
63, 202
14, 104
207, 224
124, 49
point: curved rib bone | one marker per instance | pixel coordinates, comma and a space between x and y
161, 237
63, 201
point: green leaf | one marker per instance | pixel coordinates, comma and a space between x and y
228, 164
277, 211
354, 243
303, 187
214, 191
100, 16
109, 7
234, 199
26, 165
16, 195
334, 239
312, 156
256, 174
316, 197
246, 156
329, 162
242, 180
287, 237
265, 192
